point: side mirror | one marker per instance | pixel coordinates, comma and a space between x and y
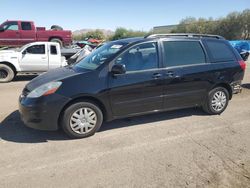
1, 29
244, 55
118, 69
24, 52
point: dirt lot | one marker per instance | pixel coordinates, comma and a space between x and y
185, 148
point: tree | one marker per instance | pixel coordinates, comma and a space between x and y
96, 34
122, 33
235, 25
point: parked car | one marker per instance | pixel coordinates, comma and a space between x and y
133, 77
19, 33
243, 47
84, 52
35, 57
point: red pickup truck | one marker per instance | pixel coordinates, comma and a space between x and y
19, 33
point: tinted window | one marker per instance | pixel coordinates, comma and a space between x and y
11, 26
53, 50
140, 57
219, 51
36, 49
183, 53
26, 26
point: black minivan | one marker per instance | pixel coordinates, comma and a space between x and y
132, 77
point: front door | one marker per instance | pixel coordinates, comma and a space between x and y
34, 59
140, 89
10, 35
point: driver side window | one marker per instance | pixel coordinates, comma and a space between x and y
12, 26
140, 57
36, 49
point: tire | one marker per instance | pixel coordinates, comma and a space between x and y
58, 41
78, 123
7, 74
56, 28
217, 101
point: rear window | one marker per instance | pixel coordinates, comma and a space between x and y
183, 53
219, 51
53, 50
26, 26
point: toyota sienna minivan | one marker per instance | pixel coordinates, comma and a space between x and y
133, 77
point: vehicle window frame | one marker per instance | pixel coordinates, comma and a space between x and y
55, 48
26, 29
137, 44
34, 53
16, 23
210, 56
165, 66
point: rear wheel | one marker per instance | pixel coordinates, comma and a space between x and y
58, 41
7, 74
82, 119
217, 101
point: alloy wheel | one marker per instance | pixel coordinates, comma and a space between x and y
83, 120
219, 101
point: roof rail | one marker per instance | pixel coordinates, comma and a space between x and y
183, 35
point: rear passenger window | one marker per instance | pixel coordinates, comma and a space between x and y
183, 53
219, 51
26, 26
53, 50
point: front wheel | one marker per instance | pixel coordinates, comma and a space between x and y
6, 73
217, 101
82, 119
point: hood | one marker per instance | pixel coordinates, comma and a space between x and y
53, 75
8, 53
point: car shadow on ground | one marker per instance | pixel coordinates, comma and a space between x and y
20, 78
12, 128
246, 86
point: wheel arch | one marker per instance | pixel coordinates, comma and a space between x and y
90, 99
10, 65
56, 37
227, 87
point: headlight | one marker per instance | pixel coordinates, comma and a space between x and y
45, 89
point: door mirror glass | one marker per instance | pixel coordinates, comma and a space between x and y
1, 29
118, 69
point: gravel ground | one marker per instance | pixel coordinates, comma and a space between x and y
184, 148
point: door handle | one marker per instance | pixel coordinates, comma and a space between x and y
170, 74
157, 75
43, 57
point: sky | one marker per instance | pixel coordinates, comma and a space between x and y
110, 14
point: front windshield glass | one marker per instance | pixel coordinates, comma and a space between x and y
22, 48
98, 57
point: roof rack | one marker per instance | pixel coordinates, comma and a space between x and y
183, 35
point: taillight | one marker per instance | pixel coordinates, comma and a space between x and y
243, 64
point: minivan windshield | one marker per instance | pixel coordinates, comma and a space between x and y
98, 56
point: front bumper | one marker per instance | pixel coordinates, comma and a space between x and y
42, 113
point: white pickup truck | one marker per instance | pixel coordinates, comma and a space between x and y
35, 57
